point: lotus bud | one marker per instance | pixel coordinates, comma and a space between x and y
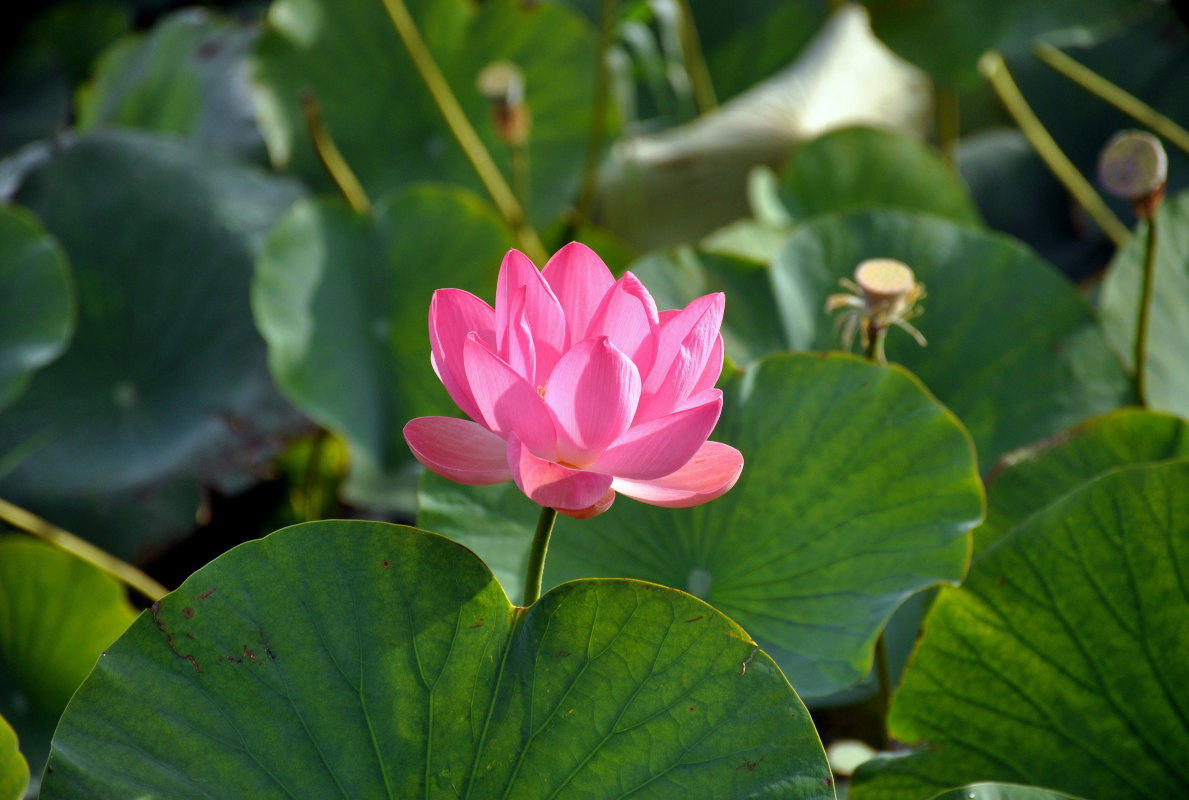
502, 83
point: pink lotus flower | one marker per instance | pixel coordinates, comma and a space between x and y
577, 388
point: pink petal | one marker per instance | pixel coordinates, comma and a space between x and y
662, 446
713, 368
687, 340
544, 314
599, 507
550, 484
709, 474
593, 393
521, 352
579, 279
628, 316
453, 314
506, 400
459, 449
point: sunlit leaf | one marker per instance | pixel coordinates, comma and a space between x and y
1035, 476
1061, 661
14, 772
366, 660
857, 491
1001, 791
57, 614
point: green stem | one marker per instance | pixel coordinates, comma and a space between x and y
536, 556
1094, 83
332, 157
598, 122
695, 61
993, 68
520, 176
456, 119
884, 698
1145, 310
875, 341
120, 570
948, 125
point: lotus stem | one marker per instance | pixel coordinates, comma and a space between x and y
536, 556
122, 571
1145, 310
456, 119
884, 697
994, 69
332, 157
695, 60
948, 125
598, 121
1094, 83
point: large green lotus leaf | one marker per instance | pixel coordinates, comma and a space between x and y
1168, 333
368, 660
1013, 349
14, 772
36, 300
1035, 476
864, 167
57, 613
381, 115
1001, 791
343, 302
858, 490
1062, 661
166, 384
188, 75
946, 37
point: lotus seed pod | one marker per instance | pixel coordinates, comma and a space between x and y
1133, 165
885, 282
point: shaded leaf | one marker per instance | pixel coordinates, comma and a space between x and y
946, 37
363, 659
36, 300
166, 383
857, 491
1061, 661
1001, 791
188, 75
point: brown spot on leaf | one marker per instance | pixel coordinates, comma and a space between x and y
828, 781
693, 708
695, 619
385, 564
187, 613
563, 654
206, 594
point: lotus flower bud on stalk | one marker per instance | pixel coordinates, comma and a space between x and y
1133, 165
502, 83
578, 388
884, 292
